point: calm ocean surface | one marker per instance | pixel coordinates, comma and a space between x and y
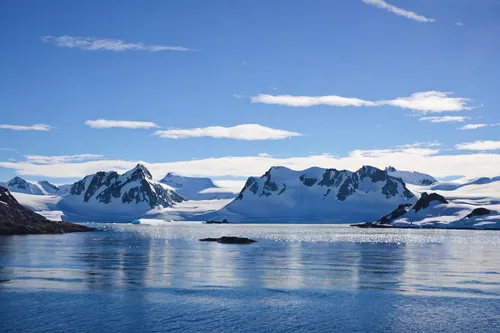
296, 278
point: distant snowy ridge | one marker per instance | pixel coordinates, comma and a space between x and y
194, 188
317, 195
20, 185
409, 177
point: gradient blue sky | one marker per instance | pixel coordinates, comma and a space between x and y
349, 48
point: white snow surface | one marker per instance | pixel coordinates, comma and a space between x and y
194, 188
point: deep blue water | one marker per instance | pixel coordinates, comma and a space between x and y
294, 279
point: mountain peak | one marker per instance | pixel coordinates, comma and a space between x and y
139, 171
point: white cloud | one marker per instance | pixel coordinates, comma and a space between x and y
104, 123
96, 44
445, 119
479, 145
35, 127
42, 159
459, 24
239, 132
399, 11
421, 144
473, 126
418, 158
428, 101
476, 126
6, 149
238, 96
307, 101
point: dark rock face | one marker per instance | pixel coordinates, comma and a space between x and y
17, 220
426, 199
398, 212
308, 181
479, 212
229, 240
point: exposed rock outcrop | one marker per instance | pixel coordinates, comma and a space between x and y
17, 220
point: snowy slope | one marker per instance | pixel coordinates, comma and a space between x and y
412, 177
193, 188
317, 195
45, 205
108, 196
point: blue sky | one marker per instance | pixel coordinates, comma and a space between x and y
249, 62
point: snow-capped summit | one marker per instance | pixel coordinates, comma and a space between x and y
411, 177
18, 184
108, 194
318, 195
195, 188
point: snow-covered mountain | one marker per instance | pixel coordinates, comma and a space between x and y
113, 197
193, 188
317, 195
20, 185
409, 177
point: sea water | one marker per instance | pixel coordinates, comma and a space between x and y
296, 278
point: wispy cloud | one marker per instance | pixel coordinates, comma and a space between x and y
399, 11
104, 44
239, 132
459, 24
238, 96
429, 101
35, 127
473, 126
445, 119
479, 145
307, 101
476, 126
421, 144
42, 159
423, 159
105, 123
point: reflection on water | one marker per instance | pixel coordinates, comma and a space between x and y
296, 269
132, 260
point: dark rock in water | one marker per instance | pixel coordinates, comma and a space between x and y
17, 220
398, 212
216, 222
372, 225
209, 239
478, 212
229, 240
235, 240
426, 199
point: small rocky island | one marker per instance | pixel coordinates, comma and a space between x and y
18, 220
229, 240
